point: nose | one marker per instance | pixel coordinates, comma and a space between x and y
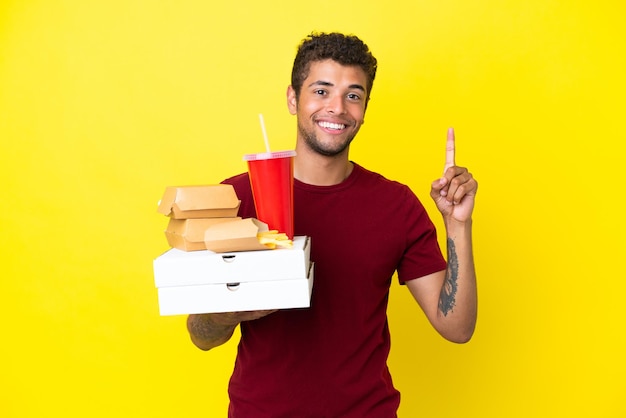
336, 105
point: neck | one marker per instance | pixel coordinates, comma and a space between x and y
320, 170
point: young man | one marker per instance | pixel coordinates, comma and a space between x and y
330, 360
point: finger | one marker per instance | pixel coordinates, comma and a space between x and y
466, 190
458, 176
462, 185
437, 187
449, 150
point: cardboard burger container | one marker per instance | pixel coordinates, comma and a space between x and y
206, 201
237, 235
188, 234
207, 282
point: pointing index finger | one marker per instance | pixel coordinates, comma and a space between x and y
449, 150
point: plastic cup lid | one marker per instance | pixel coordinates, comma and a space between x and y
269, 155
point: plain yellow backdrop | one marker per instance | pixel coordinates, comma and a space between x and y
105, 103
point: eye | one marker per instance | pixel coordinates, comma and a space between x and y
354, 96
320, 92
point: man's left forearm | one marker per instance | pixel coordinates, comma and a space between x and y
458, 298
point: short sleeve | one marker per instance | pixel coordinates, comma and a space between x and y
422, 255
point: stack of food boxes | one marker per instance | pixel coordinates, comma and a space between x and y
217, 264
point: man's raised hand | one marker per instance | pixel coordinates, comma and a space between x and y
454, 192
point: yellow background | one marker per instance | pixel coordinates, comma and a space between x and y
104, 103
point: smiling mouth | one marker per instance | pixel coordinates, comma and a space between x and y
332, 126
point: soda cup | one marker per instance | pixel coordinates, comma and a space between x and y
271, 178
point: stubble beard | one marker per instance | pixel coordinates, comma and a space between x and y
327, 150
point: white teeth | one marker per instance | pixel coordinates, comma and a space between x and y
330, 125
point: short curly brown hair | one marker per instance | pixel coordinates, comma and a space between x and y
344, 49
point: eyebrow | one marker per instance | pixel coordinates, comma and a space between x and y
329, 84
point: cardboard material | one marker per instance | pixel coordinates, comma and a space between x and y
181, 268
206, 201
239, 235
188, 234
232, 297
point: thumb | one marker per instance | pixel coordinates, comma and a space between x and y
439, 184
436, 187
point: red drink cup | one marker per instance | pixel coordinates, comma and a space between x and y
271, 178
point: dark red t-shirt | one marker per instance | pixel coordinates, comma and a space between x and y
330, 360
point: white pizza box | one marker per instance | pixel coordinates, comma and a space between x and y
184, 268
236, 296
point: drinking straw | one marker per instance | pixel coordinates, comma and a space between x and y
267, 143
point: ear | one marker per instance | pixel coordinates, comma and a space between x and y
292, 102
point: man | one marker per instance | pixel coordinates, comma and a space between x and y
330, 360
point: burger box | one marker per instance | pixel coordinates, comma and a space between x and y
206, 281
236, 235
206, 201
188, 234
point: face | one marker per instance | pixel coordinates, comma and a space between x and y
331, 107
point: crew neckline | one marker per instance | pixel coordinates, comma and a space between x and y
356, 172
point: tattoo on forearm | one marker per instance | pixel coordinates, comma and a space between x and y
447, 297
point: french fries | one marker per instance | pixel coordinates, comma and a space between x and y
273, 239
